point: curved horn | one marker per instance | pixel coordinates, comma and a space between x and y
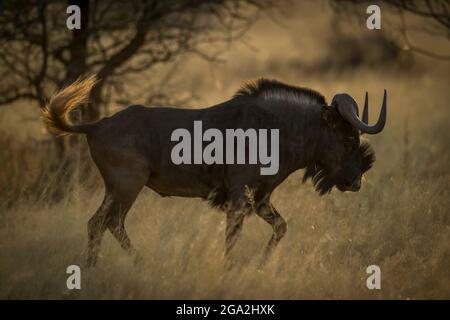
365, 115
351, 116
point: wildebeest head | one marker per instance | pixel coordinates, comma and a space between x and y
343, 158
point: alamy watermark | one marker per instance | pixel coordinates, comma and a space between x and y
218, 151
374, 280
74, 20
374, 20
74, 279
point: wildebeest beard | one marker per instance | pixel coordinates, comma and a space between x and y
324, 180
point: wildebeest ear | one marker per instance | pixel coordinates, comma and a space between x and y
329, 115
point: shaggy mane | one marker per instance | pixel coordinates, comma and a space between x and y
324, 181
273, 89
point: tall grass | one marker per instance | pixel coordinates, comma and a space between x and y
398, 221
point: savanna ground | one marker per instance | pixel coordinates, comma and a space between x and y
398, 221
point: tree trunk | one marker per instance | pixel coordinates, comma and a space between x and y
71, 149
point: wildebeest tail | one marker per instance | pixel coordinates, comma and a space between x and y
55, 113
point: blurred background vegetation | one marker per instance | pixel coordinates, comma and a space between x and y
194, 53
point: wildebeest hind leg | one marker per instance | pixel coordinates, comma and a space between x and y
267, 212
122, 188
97, 227
116, 224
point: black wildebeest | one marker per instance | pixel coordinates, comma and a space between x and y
132, 149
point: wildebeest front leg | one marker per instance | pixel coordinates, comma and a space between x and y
236, 213
235, 221
266, 211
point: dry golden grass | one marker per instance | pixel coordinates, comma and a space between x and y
399, 220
